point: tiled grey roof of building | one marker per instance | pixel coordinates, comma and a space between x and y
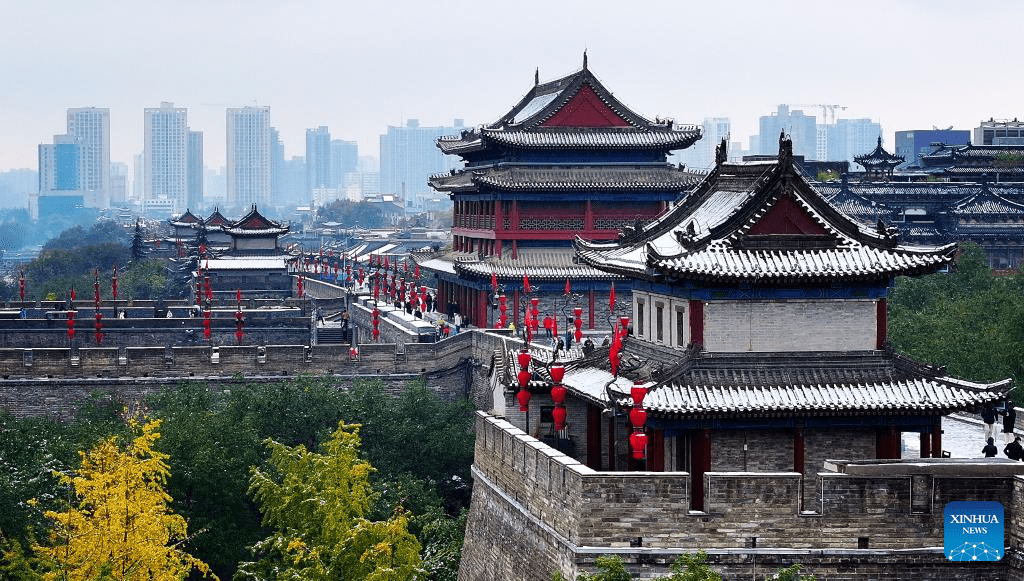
705, 237
782, 384
277, 262
986, 202
678, 138
537, 263
575, 178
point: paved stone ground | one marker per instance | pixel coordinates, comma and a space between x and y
962, 437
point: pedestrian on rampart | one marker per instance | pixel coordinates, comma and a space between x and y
990, 449
1013, 450
988, 416
1009, 421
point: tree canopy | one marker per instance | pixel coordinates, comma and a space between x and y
119, 527
318, 504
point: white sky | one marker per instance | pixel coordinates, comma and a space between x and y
358, 67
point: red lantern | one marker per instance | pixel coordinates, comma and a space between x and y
71, 324
524, 378
21, 286
558, 393
638, 442
113, 284
206, 324
558, 415
353, 353
557, 372
638, 417
300, 286
524, 399
524, 358
99, 327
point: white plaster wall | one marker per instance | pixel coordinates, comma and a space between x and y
790, 325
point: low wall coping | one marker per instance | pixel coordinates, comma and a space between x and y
961, 467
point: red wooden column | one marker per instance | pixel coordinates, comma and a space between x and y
594, 436
701, 455
611, 444
937, 438
588, 217
697, 322
515, 308
882, 325
591, 306
798, 457
656, 451
481, 310
798, 450
926, 444
887, 443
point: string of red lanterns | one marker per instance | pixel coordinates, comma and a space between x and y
558, 393
524, 358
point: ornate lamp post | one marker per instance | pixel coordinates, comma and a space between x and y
571, 300
523, 396
558, 393
239, 317
638, 417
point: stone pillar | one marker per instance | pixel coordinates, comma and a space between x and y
937, 438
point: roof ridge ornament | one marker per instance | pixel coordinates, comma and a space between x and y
785, 149
584, 59
536, 76
721, 153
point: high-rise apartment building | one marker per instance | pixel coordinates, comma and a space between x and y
409, 156
912, 144
848, 138
801, 128
344, 160
166, 156
90, 128
248, 156
195, 169
701, 155
318, 159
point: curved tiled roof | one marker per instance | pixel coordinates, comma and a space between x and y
749, 385
537, 263
709, 236
660, 178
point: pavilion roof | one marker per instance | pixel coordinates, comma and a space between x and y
216, 220
879, 158
575, 111
986, 202
764, 223
656, 178
539, 264
186, 220
255, 224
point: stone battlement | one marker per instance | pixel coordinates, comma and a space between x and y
573, 513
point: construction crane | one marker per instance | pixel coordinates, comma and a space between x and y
828, 112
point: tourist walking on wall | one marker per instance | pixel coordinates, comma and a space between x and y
988, 416
990, 449
1009, 421
1013, 450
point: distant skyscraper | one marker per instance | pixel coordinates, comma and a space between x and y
701, 155
344, 160
802, 128
917, 142
195, 169
166, 155
277, 167
118, 183
318, 159
248, 156
409, 156
851, 137
90, 128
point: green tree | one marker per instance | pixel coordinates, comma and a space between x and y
317, 505
120, 528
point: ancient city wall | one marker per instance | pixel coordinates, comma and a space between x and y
564, 515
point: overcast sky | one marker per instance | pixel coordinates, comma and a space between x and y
358, 67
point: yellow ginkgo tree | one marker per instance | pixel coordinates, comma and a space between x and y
317, 504
120, 526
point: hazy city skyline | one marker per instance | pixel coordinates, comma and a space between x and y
357, 68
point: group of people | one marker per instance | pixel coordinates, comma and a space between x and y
1013, 448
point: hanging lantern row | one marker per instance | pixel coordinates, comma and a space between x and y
113, 283
299, 285
96, 300
638, 417
207, 313
503, 309
239, 317
524, 376
578, 322
21, 285
558, 393
375, 317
